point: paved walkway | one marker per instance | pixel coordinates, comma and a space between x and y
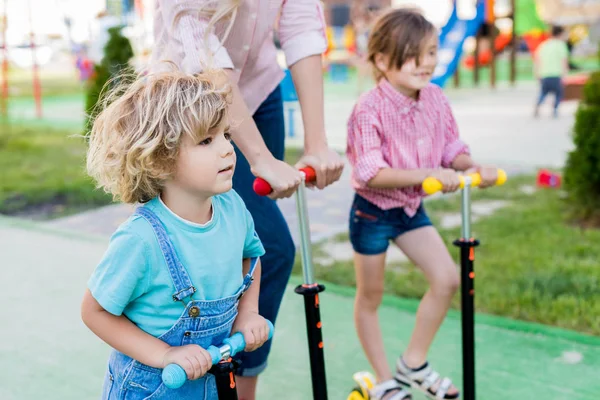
497, 125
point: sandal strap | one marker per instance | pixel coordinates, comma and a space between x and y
426, 378
443, 389
388, 386
431, 379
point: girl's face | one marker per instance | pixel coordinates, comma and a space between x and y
410, 78
205, 168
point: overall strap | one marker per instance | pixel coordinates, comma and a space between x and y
183, 285
249, 276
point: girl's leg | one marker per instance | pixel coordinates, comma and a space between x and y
369, 292
369, 285
426, 249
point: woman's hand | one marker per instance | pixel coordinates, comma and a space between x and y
327, 164
283, 178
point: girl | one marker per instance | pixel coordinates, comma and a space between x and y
400, 133
171, 281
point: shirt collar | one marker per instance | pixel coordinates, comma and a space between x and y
400, 100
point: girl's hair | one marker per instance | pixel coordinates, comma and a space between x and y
399, 34
135, 139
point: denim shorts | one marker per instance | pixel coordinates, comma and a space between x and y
372, 228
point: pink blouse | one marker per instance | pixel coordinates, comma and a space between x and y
248, 49
389, 130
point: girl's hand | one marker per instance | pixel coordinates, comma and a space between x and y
448, 178
489, 175
327, 164
192, 358
254, 328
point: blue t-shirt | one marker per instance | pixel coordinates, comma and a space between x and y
133, 279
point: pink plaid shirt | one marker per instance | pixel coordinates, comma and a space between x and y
249, 49
389, 130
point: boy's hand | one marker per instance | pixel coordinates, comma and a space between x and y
489, 175
448, 178
192, 358
254, 328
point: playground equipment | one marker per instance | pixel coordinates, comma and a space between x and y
451, 40
365, 380
527, 22
310, 289
173, 376
341, 47
290, 103
37, 89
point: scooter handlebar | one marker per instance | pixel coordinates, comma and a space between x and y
432, 185
263, 188
173, 376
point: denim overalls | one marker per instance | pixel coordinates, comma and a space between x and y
203, 323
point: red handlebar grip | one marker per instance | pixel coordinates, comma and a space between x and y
262, 187
310, 173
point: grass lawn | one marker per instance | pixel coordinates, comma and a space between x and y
42, 172
530, 265
52, 83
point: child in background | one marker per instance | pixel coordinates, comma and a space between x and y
400, 133
551, 65
171, 281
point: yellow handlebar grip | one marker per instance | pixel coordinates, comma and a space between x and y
501, 177
475, 179
431, 185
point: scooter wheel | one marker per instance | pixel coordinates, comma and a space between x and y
356, 394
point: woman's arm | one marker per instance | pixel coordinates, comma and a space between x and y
308, 80
283, 178
186, 29
302, 34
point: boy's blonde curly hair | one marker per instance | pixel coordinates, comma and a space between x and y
135, 139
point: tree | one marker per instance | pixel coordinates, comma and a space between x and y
117, 54
582, 171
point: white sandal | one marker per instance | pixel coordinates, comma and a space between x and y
424, 379
381, 389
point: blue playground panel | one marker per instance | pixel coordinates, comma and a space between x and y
290, 100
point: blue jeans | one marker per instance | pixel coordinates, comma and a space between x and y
551, 85
372, 228
270, 226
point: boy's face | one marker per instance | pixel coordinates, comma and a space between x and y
410, 78
205, 168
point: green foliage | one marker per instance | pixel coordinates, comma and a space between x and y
117, 54
582, 171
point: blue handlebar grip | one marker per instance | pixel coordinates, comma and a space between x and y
271, 329
215, 354
173, 376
